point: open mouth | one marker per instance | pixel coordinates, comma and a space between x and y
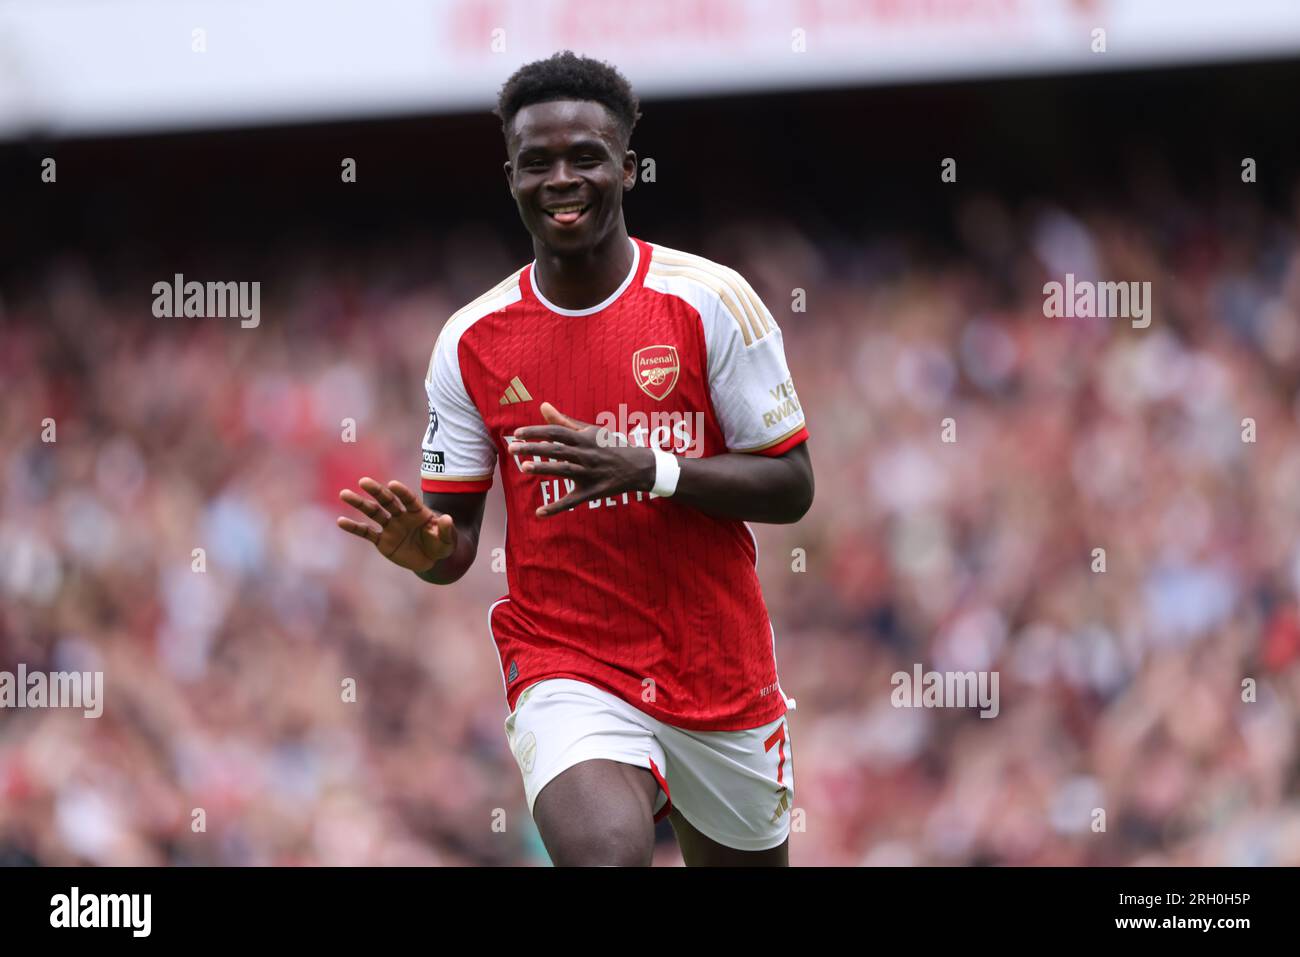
568, 214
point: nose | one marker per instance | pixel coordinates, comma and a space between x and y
563, 176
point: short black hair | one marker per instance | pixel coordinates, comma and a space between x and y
567, 76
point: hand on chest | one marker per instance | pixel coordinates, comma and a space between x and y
647, 384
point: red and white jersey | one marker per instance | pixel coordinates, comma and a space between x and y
652, 600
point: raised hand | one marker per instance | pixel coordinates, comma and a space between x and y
410, 533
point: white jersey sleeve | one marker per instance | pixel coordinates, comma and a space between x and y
751, 387
457, 451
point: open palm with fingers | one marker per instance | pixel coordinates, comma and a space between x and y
410, 533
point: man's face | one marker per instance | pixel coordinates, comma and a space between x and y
568, 171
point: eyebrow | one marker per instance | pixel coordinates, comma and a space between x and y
574, 147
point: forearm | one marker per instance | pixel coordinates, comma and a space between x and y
455, 565
776, 489
754, 488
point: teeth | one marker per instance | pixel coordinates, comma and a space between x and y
566, 209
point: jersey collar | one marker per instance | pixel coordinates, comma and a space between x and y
622, 288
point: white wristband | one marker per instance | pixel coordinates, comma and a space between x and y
667, 472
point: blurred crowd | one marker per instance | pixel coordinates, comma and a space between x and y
971, 456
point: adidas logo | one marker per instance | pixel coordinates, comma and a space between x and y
514, 672
782, 806
515, 392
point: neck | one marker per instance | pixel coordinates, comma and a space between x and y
587, 279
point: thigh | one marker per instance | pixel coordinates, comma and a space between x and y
732, 792
701, 851
592, 772
598, 812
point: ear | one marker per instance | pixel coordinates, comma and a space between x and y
629, 170
510, 176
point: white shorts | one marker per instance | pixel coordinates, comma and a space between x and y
736, 787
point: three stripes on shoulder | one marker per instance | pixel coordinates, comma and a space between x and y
732, 290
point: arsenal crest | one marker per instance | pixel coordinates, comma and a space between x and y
655, 369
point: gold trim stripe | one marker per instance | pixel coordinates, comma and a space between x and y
720, 287
502, 287
438, 477
498, 289
734, 280
760, 448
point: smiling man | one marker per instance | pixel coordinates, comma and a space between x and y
636, 652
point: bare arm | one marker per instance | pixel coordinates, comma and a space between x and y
755, 488
466, 510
